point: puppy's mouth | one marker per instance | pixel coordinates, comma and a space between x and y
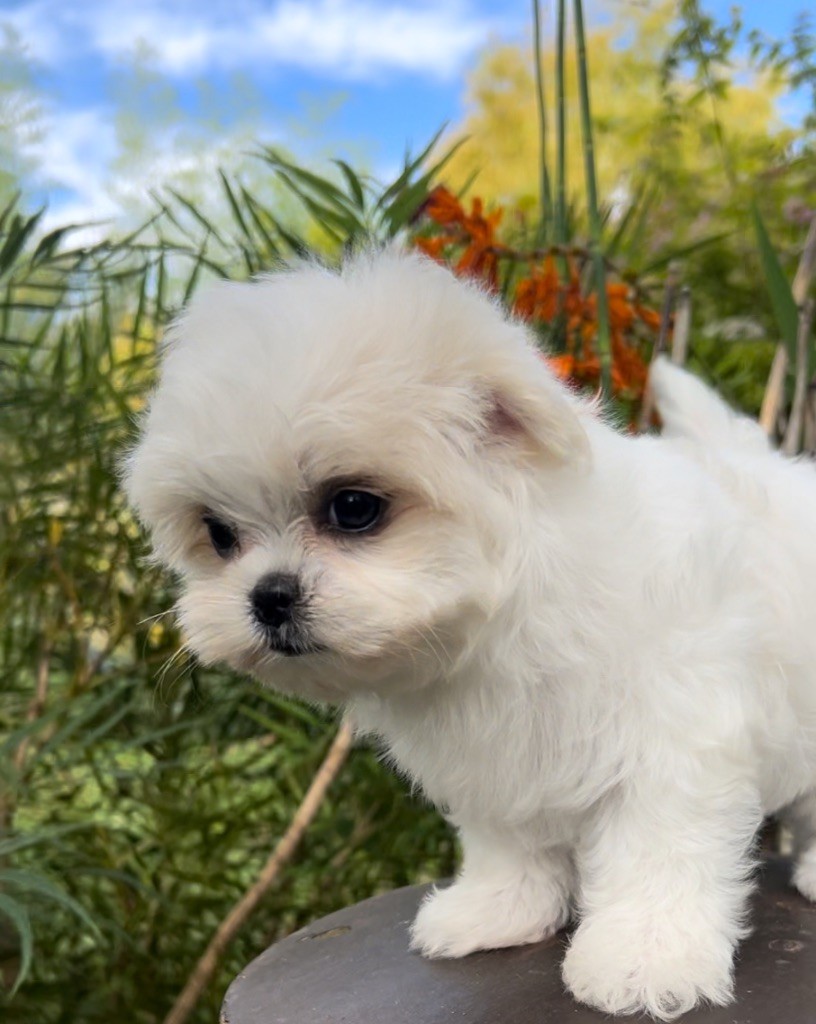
293, 648
290, 640
279, 617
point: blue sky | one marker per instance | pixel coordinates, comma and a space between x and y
362, 78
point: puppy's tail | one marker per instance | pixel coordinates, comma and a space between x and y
692, 411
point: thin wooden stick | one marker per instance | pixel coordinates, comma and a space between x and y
807, 266
682, 328
241, 911
669, 296
37, 705
774, 392
35, 709
793, 434
809, 440
660, 346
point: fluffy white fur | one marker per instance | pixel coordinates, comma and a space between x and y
595, 653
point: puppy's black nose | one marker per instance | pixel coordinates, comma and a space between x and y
274, 598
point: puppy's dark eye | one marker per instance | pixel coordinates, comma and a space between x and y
355, 511
224, 538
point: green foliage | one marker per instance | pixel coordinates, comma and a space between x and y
793, 59
140, 794
784, 305
603, 341
686, 139
20, 112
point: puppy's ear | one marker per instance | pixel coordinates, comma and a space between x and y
526, 407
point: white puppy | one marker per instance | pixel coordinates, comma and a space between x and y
595, 653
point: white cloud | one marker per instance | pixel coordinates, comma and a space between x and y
352, 39
73, 154
80, 164
38, 25
75, 149
78, 154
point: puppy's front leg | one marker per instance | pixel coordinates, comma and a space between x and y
504, 896
801, 818
664, 878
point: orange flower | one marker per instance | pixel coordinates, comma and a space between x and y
482, 227
562, 366
479, 261
443, 207
476, 231
432, 245
629, 371
621, 313
649, 317
537, 296
481, 257
467, 240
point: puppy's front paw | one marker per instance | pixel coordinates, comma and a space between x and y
660, 971
804, 874
463, 918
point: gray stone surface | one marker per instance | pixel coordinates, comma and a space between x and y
354, 967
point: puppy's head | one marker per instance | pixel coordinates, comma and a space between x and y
335, 465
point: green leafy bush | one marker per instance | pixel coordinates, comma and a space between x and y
140, 794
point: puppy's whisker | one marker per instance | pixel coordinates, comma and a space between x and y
181, 657
168, 613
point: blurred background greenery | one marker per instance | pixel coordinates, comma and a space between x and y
139, 793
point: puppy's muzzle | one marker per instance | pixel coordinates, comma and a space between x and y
277, 604
274, 599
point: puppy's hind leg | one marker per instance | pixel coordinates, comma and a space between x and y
800, 817
504, 896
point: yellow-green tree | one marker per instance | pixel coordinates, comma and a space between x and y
647, 131
687, 136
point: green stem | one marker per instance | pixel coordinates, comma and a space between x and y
561, 129
604, 335
546, 196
